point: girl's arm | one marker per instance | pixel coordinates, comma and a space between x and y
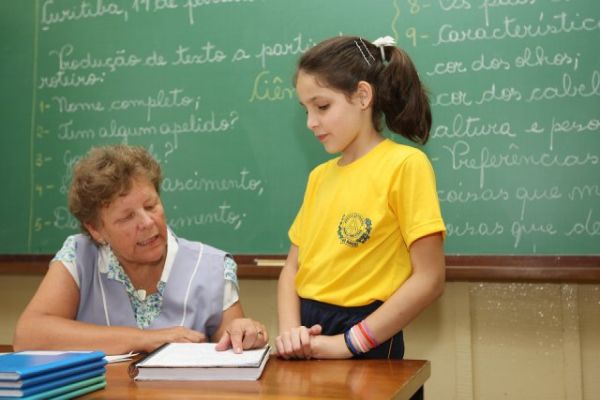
48, 323
424, 286
293, 340
288, 302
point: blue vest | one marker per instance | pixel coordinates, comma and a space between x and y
193, 295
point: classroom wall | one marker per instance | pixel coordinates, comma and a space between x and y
485, 340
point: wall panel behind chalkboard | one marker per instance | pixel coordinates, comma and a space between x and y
206, 87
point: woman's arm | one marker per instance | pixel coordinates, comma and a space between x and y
48, 323
425, 284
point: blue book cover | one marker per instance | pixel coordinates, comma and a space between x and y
68, 391
21, 365
46, 386
75, 371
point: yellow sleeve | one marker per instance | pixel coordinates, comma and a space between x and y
294, 232
414, 199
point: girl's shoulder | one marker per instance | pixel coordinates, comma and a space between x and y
395, 154
400, 150
324, 166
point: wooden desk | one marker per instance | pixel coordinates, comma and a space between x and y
315, 379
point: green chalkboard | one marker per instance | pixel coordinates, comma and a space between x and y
205, 85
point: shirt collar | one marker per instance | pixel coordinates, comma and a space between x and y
172, 249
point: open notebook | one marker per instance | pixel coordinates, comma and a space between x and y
200, 361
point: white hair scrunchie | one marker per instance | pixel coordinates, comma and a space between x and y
384, 41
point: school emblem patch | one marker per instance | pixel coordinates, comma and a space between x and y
354, 229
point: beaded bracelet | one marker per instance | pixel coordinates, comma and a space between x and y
367, 334
359, 339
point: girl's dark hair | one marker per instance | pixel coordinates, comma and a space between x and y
342, 62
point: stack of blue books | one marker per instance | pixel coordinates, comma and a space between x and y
29, 375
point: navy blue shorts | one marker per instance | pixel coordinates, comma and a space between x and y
335, 320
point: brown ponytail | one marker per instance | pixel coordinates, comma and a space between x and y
343, 61
403, 98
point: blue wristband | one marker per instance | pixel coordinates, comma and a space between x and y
349, 344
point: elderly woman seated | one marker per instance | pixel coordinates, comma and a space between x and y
128, 283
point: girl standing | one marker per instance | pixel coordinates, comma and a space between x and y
367, 244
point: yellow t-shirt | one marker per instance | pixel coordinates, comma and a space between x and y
358, 221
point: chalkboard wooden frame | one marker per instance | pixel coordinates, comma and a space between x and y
541, 269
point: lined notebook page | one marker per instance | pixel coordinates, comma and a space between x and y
202, 355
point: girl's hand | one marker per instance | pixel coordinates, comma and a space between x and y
296, 343
329, 347
242, 334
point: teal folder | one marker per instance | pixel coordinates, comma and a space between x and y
68, 391
48, 385
78, 392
